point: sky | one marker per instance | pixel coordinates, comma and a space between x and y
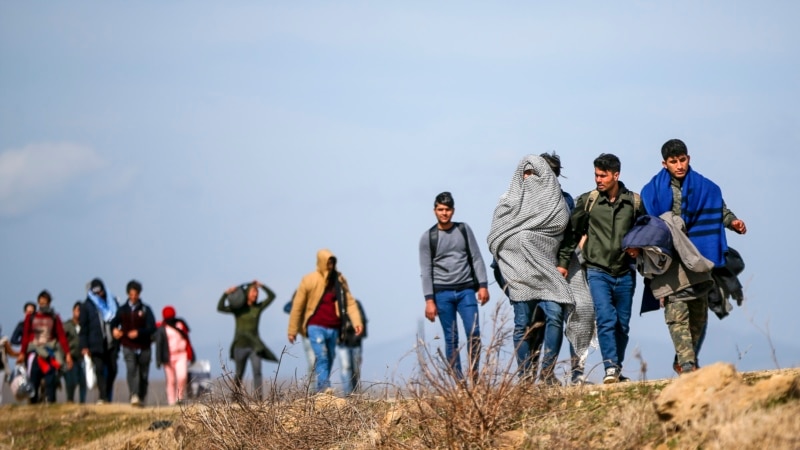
197, 145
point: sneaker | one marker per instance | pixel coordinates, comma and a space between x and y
623, 378
101, 402
612, 376
135, 401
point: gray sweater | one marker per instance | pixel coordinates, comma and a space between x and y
688, 268
451, 266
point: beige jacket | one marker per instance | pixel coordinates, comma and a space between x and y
309, 294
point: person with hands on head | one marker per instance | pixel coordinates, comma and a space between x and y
453, 282
242, 302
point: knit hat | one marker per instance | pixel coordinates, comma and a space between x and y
168, 312
96, 286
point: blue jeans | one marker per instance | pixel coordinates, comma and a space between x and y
350, 360
553, 335
523, 345
323, 342
613, 300
463, 302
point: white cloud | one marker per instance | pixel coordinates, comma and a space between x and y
32, 174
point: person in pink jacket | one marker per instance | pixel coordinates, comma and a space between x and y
174, 351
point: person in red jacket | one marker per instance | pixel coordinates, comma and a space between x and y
44, 348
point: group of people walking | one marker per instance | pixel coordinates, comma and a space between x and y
85, 349
572, 265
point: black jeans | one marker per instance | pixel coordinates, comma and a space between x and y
105, 368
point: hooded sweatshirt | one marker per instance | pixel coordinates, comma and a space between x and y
309, 295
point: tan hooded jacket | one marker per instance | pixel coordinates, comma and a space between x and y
309, 294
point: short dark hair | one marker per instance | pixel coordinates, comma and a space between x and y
31, 304
45, 294
77, 305
554, 161
135, 285
608, 162
446, 199
673, 147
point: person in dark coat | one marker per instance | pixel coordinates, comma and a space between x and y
99, 336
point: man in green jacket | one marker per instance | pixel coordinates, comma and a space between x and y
604, 216
247, 344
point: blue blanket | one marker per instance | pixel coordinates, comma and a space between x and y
701, 210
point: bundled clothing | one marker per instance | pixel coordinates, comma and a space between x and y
174, 351
45, 347
700, 206
683, 285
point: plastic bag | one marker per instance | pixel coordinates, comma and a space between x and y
19, 385
91, 377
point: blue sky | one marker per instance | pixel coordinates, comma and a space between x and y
194, 145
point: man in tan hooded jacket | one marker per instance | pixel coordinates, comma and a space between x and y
321, 309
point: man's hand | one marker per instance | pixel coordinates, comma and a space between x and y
291, 338
117, 333
85, 351
359, 330
69, 361
739, 226
661, 302
133, 334
483, 295
564, 272
430, 310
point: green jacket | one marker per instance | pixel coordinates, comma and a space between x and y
71, 330
247, 318
604, 228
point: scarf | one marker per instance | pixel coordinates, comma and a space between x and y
701, 210
107, 307
527, 228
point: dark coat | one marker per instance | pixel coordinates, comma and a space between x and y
93, 330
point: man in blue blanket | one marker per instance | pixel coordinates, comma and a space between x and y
698, 201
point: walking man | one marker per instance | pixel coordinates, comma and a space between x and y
698, 201
452, 271
604, 216
138, 324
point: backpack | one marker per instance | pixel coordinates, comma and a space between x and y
433, 235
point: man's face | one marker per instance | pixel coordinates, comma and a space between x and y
605, 179
30, 309
43, 302
133, 296
76, 313
443, 213
677, 166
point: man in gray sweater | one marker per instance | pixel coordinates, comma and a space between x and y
452, 270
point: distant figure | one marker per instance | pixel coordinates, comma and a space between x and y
138, 324
5, 370
247, 344
322, 303
349, 350
453, 282
174, 351
75, 377
678, 189
44, 348
99, 337
16, 336
310, 358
